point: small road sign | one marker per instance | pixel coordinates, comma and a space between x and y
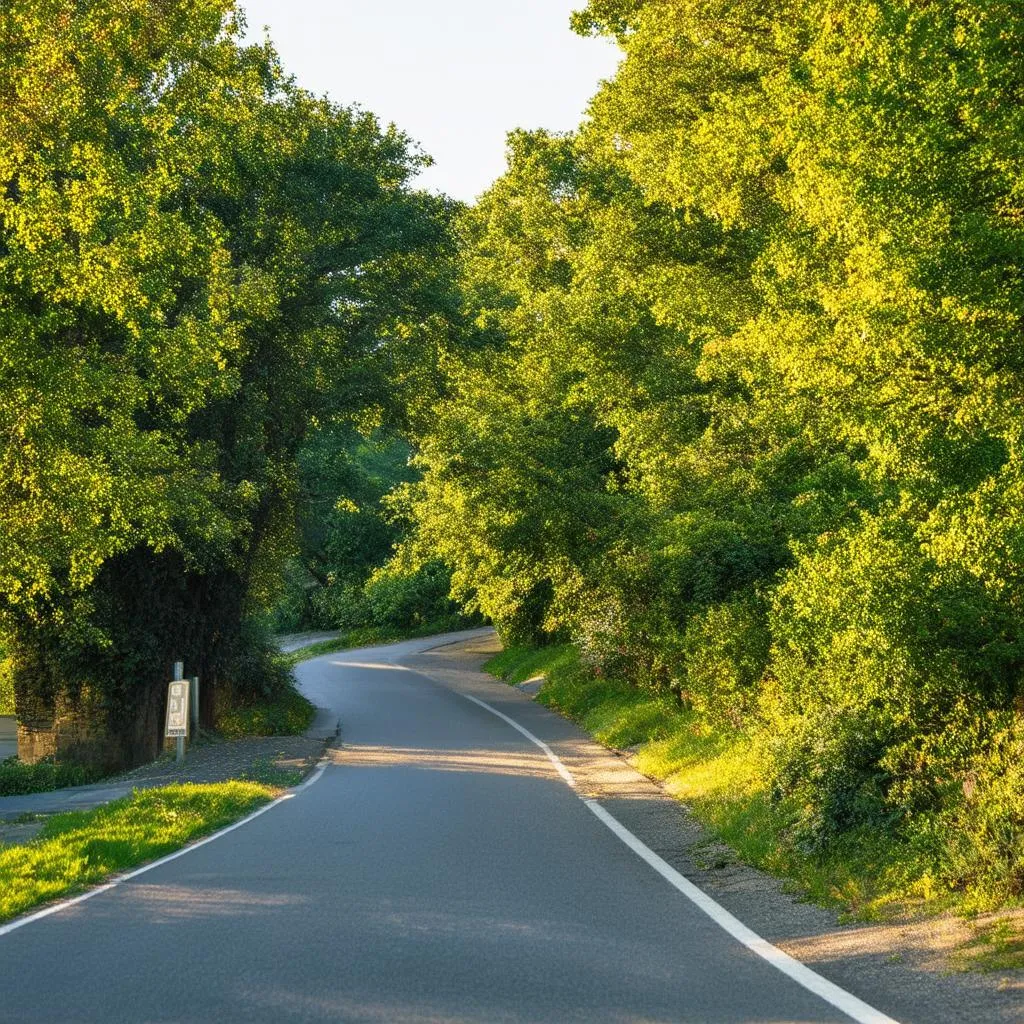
177, 708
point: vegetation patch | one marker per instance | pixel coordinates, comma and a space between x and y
286, 712
6, 686
269, 773
82, 848
17, 779
866, 873
998, 945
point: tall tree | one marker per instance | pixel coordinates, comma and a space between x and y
205, 259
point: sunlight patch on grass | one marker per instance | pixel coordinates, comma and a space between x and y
517, 664
997, 946
82, 848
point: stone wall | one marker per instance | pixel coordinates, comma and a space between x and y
80, 735
8, 736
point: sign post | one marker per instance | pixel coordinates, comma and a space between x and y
194, 706
177, 708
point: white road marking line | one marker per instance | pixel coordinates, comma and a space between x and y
831, 993
113, 883
552, 757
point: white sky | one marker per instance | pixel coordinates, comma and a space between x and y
455, 75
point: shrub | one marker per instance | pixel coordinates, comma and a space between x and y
259, 697
877, 652
982, 832
17, 779
404, 598
725, 650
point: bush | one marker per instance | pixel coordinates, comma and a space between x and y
877, 653
259, 697
285, 713
982, 833
17, 779
405, 598
725, 650
339, 606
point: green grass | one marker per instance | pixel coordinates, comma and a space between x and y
718, 775
998, 946
517, 664
368, 636
267, 773
287, 714
17, 779
76, 850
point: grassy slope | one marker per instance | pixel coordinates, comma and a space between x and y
287, 714
717, 774
82, 848
369, 636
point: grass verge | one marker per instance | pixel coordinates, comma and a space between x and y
17, 779
865, 875
368, 636
998, 945
286, 713
82, 848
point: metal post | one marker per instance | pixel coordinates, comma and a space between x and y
179, 673
194, 710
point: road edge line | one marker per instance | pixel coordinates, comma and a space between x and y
804, 976
116, 880
552, 756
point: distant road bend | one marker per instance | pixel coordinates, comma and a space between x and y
441, 869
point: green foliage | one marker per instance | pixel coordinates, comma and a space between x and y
117, 299
286, 713
878, 652
346, 533
199, 262
405, 598
82, 848
738, 413
6, 686
725, 651
17, 779
263, 701
982, 851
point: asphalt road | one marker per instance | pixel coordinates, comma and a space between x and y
440, 870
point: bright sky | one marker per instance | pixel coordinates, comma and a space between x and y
455, 75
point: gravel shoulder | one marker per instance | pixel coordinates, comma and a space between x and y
914, 964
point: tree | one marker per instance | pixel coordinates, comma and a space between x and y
746, 401
202, 259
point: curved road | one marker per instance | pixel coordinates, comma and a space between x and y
439, 870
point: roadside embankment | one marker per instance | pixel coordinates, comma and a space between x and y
78, 849
881, 877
